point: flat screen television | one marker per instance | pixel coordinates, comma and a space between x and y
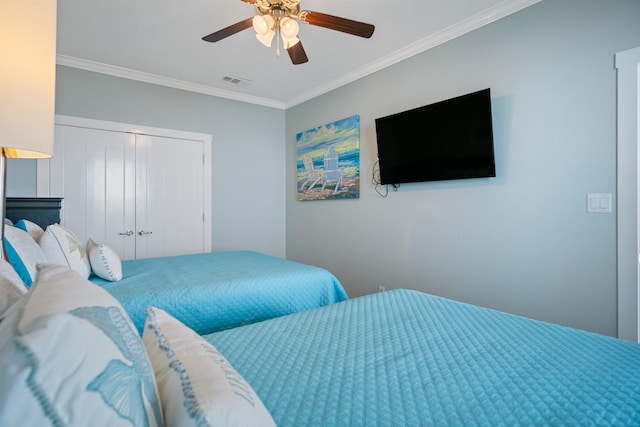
450, 139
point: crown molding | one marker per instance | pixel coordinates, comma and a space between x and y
481, 19
98, 67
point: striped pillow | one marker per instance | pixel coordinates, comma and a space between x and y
23, 253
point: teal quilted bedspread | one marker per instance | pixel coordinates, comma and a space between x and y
214, 291
404, 358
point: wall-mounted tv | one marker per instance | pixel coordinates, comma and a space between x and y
450, 139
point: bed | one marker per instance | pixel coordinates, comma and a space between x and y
406, 358
395, 358
214, 291
208, 292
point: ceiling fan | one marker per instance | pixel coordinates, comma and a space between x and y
281, 17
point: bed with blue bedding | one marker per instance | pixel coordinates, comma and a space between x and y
214, 291
405, 358
208, 292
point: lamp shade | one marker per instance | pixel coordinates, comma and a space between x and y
289, 32
266, 39
289, 28
264, 25
260, 24
27, 77
288, 43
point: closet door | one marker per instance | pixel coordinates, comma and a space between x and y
144, 196
169, 202
94, 171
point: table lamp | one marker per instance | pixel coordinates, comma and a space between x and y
27, 84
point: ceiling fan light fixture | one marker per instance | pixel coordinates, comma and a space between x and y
289, 28
266, 39
264, 27
260, 24
287, 43
282, 16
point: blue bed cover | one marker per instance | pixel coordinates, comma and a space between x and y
404, 358
214, 291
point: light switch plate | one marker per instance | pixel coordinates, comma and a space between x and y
599, 202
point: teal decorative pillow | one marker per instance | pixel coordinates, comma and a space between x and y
12, 289
61, 246
70, 355
32, 228
23, 253
197, 385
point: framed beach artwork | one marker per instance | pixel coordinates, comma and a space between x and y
328, 161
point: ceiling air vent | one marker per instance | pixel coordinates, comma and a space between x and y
236, 80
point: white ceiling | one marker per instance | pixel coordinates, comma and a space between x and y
161, 42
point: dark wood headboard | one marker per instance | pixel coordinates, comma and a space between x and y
41, 210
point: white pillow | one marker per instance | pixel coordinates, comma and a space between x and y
105, 263
197, 384
23, 253
61, 246
70, 355
11, 286
32, 228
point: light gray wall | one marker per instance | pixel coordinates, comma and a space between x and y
248, 178
521, 242
21, 178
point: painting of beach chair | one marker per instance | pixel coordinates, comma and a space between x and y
338, 145
332, 172
313, 176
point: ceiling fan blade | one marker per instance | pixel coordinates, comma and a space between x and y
229, 31
297, 54
250, 1
331, 22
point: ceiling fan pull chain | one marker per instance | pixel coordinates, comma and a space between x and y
278, 39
